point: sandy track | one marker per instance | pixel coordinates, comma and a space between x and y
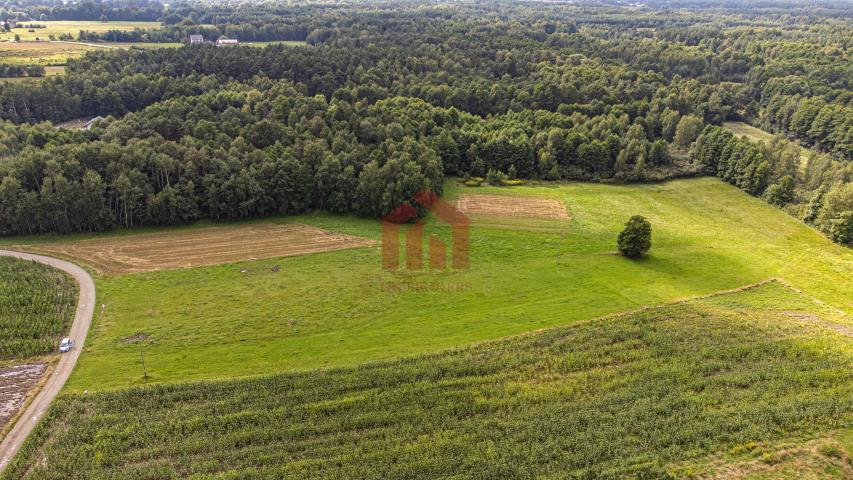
79, 328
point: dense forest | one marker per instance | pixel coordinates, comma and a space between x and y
387, 98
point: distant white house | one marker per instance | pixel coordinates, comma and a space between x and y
196, 39
226, 42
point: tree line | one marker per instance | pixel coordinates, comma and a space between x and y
568, 92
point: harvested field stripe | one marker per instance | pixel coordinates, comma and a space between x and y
511, 206
204, 246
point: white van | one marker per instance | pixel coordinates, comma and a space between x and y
65, 345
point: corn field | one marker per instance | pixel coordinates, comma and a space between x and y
37, 304
621, 398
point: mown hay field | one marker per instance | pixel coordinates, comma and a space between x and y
71, 27
41, 53
37, 304
667, 391
187, 248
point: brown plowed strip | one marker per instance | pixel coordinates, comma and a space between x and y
511, 206
202, 246
15, 384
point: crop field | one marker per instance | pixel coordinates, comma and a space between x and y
686, 389
517, 212
37, 304
41, 53
340, 308
71, 27
35, 48
511, 206
16, 384
202, 246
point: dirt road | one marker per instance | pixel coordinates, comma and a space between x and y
82, 320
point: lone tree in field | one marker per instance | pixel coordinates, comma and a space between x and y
636, 238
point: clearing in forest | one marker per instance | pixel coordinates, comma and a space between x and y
511, 206
758, 135
202, 246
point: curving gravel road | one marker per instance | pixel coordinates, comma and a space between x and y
79, 328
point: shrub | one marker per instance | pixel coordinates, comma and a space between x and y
841, 228
781, 193
636, 238
495, 177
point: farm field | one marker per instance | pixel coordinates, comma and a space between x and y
41, 53
72, 27
36, 307
202, 246
54, 54
16, 384
340, 308
754, 382
37, 303
36, 49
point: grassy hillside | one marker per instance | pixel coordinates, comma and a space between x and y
340, 308
36, 307
681, 389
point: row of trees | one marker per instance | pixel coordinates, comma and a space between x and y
21, 70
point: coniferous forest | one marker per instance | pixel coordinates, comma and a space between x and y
387, 98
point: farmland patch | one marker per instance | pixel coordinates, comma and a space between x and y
202, 246
41, 53
636, 396
512, 206
36, 307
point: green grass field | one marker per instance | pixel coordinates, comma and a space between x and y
41, 53
757, 379
36, 49
341, 308
759, 135
36, 308
72, 27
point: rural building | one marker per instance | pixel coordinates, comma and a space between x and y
225, 42
196, 39
91, 123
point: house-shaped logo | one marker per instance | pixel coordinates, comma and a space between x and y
459, 224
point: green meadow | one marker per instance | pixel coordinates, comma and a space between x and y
71, 27
341, 308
